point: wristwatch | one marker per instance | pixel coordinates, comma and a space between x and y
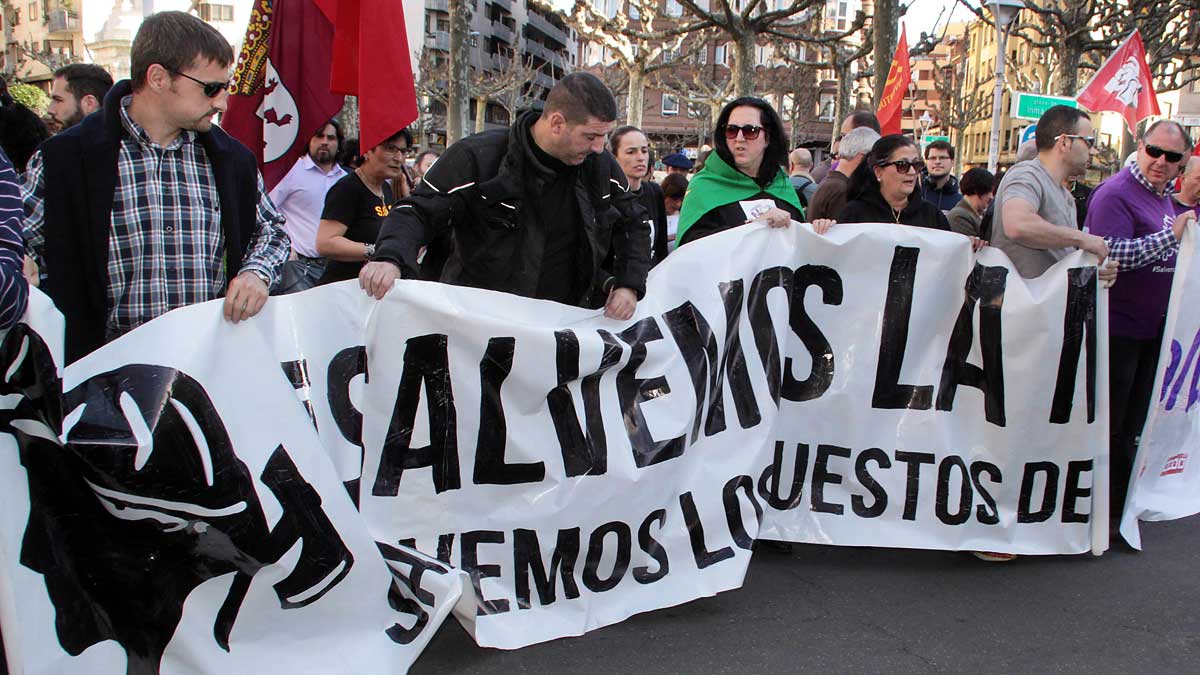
369, 254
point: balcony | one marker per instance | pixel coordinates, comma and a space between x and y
506, 5
438, 5
62, 21
543, 80
438, 40
540, 23
504, 33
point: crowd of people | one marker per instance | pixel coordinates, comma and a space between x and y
140, 205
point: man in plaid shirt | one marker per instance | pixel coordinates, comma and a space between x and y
145, 206
1134, 213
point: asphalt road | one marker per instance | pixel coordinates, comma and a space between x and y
831, 609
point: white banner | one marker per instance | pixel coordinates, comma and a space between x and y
539, 469
1165, 484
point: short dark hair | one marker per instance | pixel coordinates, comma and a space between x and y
614, 141
865, 118
84, 79
863, 179
175, 41
776, 153
1187, 140
940, 145
674, 186
1055, 122
579, 96
977, 182
348, 155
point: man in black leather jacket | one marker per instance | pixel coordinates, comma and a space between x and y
532, 210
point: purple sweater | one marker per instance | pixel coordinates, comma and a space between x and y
1124, 209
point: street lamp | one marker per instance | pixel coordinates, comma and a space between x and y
1004, 12
926, 121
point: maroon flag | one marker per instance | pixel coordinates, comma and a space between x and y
280, 95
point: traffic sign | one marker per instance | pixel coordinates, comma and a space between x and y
1027, 134
1031, 106
929, 138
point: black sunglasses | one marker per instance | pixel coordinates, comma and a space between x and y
211, 89
905, 165
1156, 152
749, 131
1089, 140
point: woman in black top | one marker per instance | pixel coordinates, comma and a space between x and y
883, 188
746, 164
632, 150
355, 208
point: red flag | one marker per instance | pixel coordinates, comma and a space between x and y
371, 60
276, 104
891, 105
1123, 84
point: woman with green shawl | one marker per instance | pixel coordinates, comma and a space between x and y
747, 164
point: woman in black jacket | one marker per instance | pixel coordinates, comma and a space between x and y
747, 164
632, 150
883, 189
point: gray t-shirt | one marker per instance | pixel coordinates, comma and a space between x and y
1031, 182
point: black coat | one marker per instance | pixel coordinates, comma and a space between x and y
870, 207
650, 195
80, 174
732, 215
481, 202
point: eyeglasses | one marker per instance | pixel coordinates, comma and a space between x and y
211, 89
749, 131
905, 165
1156, 152
1089, 140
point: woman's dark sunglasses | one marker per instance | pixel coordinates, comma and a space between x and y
211, 89
1156, 152
905, 165
749, 131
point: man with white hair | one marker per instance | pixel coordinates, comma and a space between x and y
1188, 197
800, 164
830, 197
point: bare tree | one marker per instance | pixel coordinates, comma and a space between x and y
885, 25
1078, 35
961, 103
745, 22
458, 68
642, 39
701, 84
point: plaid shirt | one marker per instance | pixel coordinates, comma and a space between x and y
1133, 254
166, 248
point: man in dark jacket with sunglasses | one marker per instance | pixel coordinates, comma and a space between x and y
532, 210
1134, 213
145, 205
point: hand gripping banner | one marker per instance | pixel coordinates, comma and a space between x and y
318, 488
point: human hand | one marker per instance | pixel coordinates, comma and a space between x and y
245, 297
1094, 245
377, 278
1182, 221
30, 270
775, 217
621, 303
822, 225
977, 243
1108, 273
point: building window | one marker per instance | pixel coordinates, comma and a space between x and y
721, 55
33, 11
674, 8
670, 104
210, 11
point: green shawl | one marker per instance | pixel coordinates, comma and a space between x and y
719, 184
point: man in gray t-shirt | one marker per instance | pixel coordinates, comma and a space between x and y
1035, 220
1032, 183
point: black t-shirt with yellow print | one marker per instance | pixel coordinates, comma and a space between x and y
351, 203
